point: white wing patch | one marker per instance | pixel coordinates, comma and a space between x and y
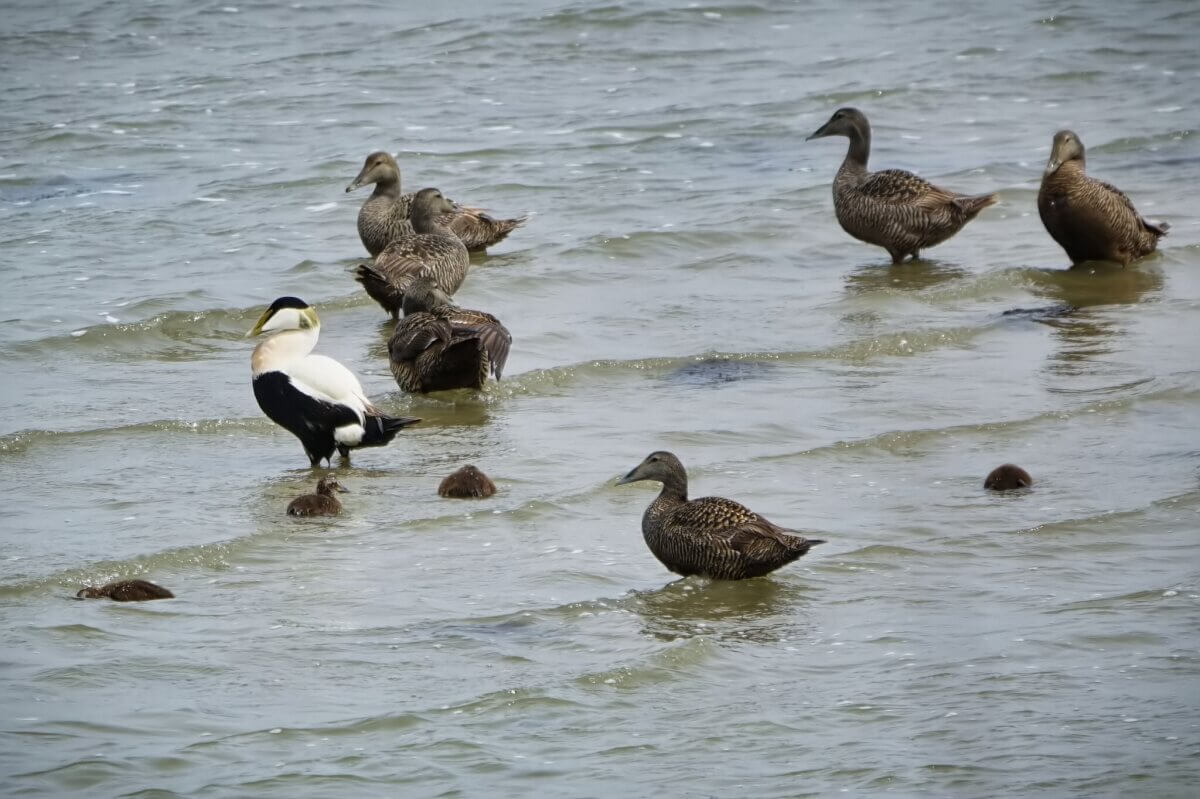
324, 378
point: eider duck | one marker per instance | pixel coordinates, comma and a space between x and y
466, 483
385, 214
312, 396
439, 346
432, 250
322, 503
126, 591
892, 208
711, 536
1091, 220
1006, 478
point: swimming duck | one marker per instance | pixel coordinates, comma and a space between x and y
439, 346
1091, 220
126, 591
431, 250
322, 503
466, 483
892, 208
711, 536
385, 214
313, 396
1007, 477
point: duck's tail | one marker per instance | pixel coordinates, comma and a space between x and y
480, 230
973, 204
380, 429
380, 289
1156, 227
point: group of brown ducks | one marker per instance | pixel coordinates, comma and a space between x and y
421, 244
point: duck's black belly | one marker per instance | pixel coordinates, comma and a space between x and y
307, 418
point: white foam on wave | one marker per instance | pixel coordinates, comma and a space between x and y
318, 208
210, 199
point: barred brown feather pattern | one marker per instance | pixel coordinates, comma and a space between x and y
447, 347
1093, 220
439, 255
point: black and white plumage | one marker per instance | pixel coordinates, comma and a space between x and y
313, 396
892, 208
432, 250
439, 346
385, 214
1091, 220
711, 536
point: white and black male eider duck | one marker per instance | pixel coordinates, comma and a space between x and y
313, 396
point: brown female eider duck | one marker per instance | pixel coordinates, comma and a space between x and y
432, 250
466, 483
711, 536
385, 214
439, 346
892, 208
313, 397
1091, 220
126, 591
1007, 477
322, 503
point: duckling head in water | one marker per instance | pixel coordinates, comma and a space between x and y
125, 591
1007, 477
328, 484
467, 483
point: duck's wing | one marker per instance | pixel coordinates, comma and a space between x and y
1113, 198
326, 380
416, 333
491, 332
900, 187
733, 526
479, 230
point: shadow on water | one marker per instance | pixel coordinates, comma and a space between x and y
762, 610
717, 371
908, 276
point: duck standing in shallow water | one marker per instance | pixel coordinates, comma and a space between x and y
892, 208
432, 251
126, 591
385, 214
322, 503
1091, 220
313, 397
711, 536
439, 346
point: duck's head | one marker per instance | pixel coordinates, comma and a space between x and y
430, 202
286, 313
379, 167
1066, 147
328, 484
423, 294
661, 466
467, 482
848, 122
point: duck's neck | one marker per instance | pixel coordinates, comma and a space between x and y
388, 186
283, 348
674, 490
426, 221
858, 152
1067, 173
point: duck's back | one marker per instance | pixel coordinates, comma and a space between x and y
1093, 220
441, 255
383, 219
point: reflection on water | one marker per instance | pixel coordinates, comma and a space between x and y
908, 276
716, 371
764, 609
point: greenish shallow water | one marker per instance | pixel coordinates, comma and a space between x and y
168, 170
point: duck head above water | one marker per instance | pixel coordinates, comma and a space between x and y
423, 294
1066, 147
849, 122
379, 168
328, 484
662, 467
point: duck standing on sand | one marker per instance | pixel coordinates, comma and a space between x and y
892, 208
385, 214
431, 251
711, 536
313, 397
1091, 220
322, 503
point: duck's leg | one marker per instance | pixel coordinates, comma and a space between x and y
897, 255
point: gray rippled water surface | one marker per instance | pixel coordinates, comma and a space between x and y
167, 169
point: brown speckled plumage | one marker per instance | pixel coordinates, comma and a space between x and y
439, 346
1091, 220
466, 483
1007, 477
893, 209
322, 503
711, 536
126, 591
385, 214
431, 250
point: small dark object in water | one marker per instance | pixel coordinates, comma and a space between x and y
1057, 311
322, 503
126, 591
1007, 477
716, 371
710, 536
467, 483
